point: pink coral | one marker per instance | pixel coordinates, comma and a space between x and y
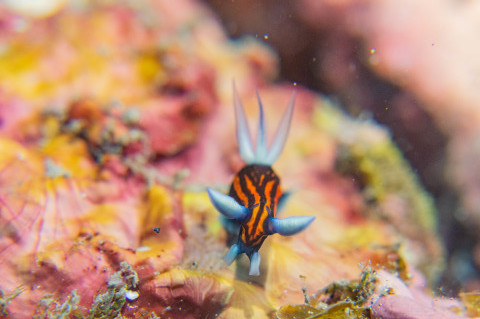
103, 168
394, 300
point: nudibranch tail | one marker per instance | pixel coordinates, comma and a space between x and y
262, 155
227, 205
237, 249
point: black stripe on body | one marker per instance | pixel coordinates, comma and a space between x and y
249, 189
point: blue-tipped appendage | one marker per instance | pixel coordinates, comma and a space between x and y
254, 264
286, 227
227, 205
232, 254
289, 226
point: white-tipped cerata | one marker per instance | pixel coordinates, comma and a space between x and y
262, 154
282, 133
261, 147
243, 132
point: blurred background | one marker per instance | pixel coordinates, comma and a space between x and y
412, 67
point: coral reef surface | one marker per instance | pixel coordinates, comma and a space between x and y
117, 115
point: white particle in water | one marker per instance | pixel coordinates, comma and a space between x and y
131, 295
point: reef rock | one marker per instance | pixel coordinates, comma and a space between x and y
104, 168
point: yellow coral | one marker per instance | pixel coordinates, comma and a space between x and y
158, 208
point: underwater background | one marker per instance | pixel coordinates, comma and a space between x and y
115, 116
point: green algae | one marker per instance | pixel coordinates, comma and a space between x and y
52, 309
105, 306
391, 190
354, 291
339, 300
396, 263
341, 310
5, 299
367, 152
110, 303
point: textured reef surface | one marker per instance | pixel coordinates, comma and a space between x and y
398, 63
115, 117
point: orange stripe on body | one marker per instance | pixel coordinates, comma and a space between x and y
254, 186
255, 211
261, 179
260, 230
244, 238
253, 190
268, 190
240, 193
258, 240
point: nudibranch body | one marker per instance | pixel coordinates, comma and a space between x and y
255, 194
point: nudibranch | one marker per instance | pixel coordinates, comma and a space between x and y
255, 194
